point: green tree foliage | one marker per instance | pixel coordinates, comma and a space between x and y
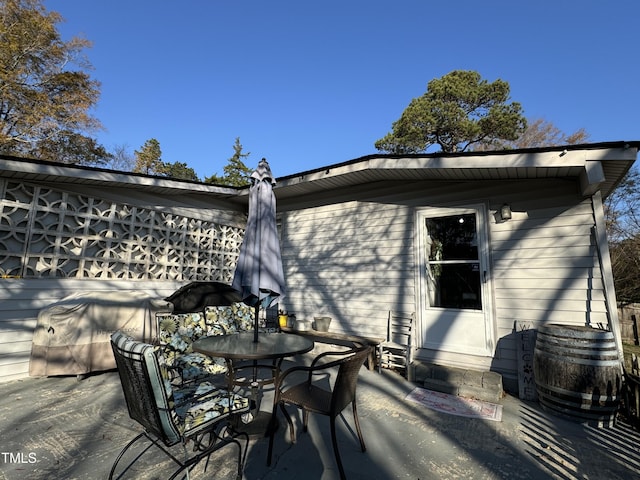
236, 173
215, 179
456, 112
148, 159
44, 103
180, 171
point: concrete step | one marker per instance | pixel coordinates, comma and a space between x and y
468, 383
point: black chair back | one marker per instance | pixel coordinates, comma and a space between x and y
137, 366
344, 389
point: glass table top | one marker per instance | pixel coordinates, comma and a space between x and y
242, 345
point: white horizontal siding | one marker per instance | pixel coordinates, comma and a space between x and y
352, 261
545, 268
22, 299
545, 294
547, 252
356, 260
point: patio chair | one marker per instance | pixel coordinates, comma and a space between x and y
178, 331
199, 414
397, 350
310, 397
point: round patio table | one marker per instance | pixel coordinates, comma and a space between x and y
240, 346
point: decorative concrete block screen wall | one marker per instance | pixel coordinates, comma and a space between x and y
47, 233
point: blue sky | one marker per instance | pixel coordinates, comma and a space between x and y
311, 83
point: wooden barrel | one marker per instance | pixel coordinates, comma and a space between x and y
578, 373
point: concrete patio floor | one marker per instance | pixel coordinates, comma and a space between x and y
62, 428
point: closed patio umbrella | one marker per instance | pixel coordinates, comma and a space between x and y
259, 276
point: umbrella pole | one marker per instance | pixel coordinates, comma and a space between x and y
255, 329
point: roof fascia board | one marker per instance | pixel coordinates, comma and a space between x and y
524, 160
106, 176
612, 147
555, 159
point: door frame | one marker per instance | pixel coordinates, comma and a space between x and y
482, 225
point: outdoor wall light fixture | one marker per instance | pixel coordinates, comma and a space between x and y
505, 212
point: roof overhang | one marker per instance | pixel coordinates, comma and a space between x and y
58, 175
597, 167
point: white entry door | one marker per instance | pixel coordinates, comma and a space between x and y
455, 311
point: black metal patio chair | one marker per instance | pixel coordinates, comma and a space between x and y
197, 416
310, 397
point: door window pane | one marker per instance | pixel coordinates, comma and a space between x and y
453, 238
453, 266
458, 286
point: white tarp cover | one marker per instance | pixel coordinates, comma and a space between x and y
72, 336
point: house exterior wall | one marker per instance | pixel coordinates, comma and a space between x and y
356, 260
351, 261
350, 254
546, 270
55, 241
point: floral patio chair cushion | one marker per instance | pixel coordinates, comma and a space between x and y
235, 318
194, 366
230, 319
179, 331
182, 412
176, 334
199, 404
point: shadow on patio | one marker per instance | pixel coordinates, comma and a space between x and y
64, 428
